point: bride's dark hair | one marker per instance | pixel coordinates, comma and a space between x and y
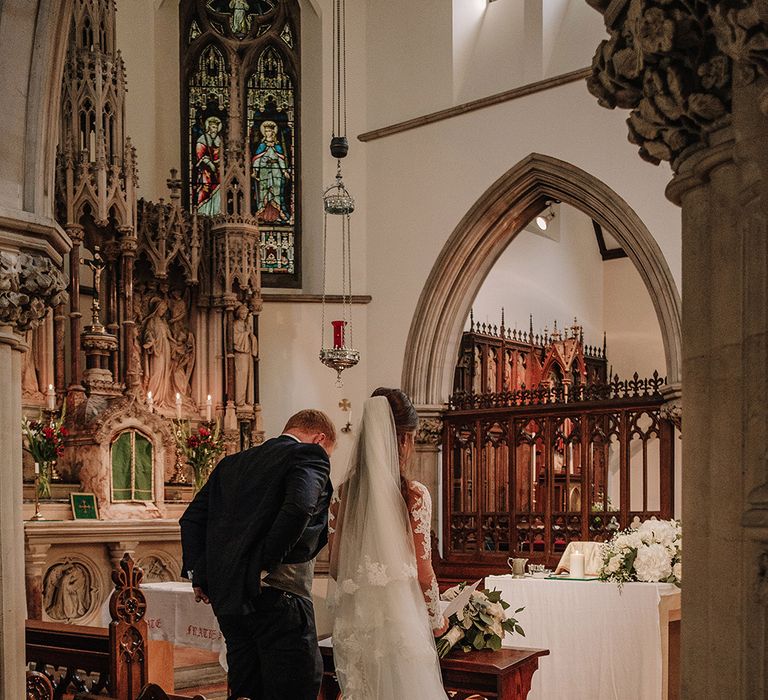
403, 411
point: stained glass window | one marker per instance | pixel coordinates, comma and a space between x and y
270, 113
208, 99
253, 44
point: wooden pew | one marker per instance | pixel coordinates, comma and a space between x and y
69, 656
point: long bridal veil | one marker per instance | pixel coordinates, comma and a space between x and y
383, 646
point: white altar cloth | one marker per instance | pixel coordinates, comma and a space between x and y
604, 644
174, 616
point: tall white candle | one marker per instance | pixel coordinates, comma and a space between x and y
178, 406
37, 468
150, 401
208, 407
576, 565
51, 396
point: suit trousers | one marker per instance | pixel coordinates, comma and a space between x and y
272, 652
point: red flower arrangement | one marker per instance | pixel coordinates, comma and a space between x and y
45, 442
201, 448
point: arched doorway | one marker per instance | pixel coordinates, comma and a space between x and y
485, 232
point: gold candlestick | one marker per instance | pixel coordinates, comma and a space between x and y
38, 515
178, 477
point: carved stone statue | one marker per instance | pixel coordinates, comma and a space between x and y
67, 591
508, 360
155, 569
30, 384
183, 343
490, 377
477, 386
157, 345
246, 348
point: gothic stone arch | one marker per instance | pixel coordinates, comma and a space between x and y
484, 233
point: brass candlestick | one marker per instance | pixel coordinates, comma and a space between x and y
178, 478
38, 515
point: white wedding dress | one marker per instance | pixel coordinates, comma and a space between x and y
386, 599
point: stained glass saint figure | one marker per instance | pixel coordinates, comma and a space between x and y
207, 174
270, 172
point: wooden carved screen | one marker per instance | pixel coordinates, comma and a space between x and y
527, 471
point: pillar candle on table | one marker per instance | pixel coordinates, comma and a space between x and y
37, 468
51, 396
208, 406
576, 565
178, 406
338, 334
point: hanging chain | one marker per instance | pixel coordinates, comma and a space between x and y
348, 234
322, 312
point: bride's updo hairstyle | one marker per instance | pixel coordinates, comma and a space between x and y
403, 411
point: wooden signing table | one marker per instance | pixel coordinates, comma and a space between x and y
173, 617
491, 675
606, 643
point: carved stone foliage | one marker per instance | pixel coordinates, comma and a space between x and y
29, 284
430, 431
69, 591
673, 63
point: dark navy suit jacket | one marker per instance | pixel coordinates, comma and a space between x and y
259, 508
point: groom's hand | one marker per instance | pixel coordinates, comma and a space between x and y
200, 596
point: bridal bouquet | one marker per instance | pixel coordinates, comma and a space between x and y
652, 552
480, 625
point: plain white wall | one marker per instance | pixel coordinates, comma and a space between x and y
554, 280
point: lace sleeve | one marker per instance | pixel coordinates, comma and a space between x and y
335, 518
420, 512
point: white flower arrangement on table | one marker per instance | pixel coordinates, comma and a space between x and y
653, 552
481, 624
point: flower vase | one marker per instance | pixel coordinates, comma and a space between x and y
202, 473
44, 479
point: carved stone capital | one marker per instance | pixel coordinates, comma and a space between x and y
430, 431
29, 284
674, 64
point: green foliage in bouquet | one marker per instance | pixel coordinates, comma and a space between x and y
482, 623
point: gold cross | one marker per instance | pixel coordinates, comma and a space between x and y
345, 405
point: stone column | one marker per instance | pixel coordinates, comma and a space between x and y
35, 556
426, 462
118, 549
30, 285
75, 232
702, 104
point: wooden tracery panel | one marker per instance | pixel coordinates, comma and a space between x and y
526, 478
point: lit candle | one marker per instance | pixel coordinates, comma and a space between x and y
338, 334
150, 402
576, 565
37, 468
51, 396
178, 406
208, 406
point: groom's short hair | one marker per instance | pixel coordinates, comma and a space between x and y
312, 421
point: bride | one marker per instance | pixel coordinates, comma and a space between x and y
387, 609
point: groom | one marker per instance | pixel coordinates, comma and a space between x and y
249, 539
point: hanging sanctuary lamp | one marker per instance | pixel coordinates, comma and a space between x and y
338, 205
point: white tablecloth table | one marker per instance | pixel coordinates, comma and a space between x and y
605, 644
174, 616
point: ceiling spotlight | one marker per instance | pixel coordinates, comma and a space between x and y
543, 219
